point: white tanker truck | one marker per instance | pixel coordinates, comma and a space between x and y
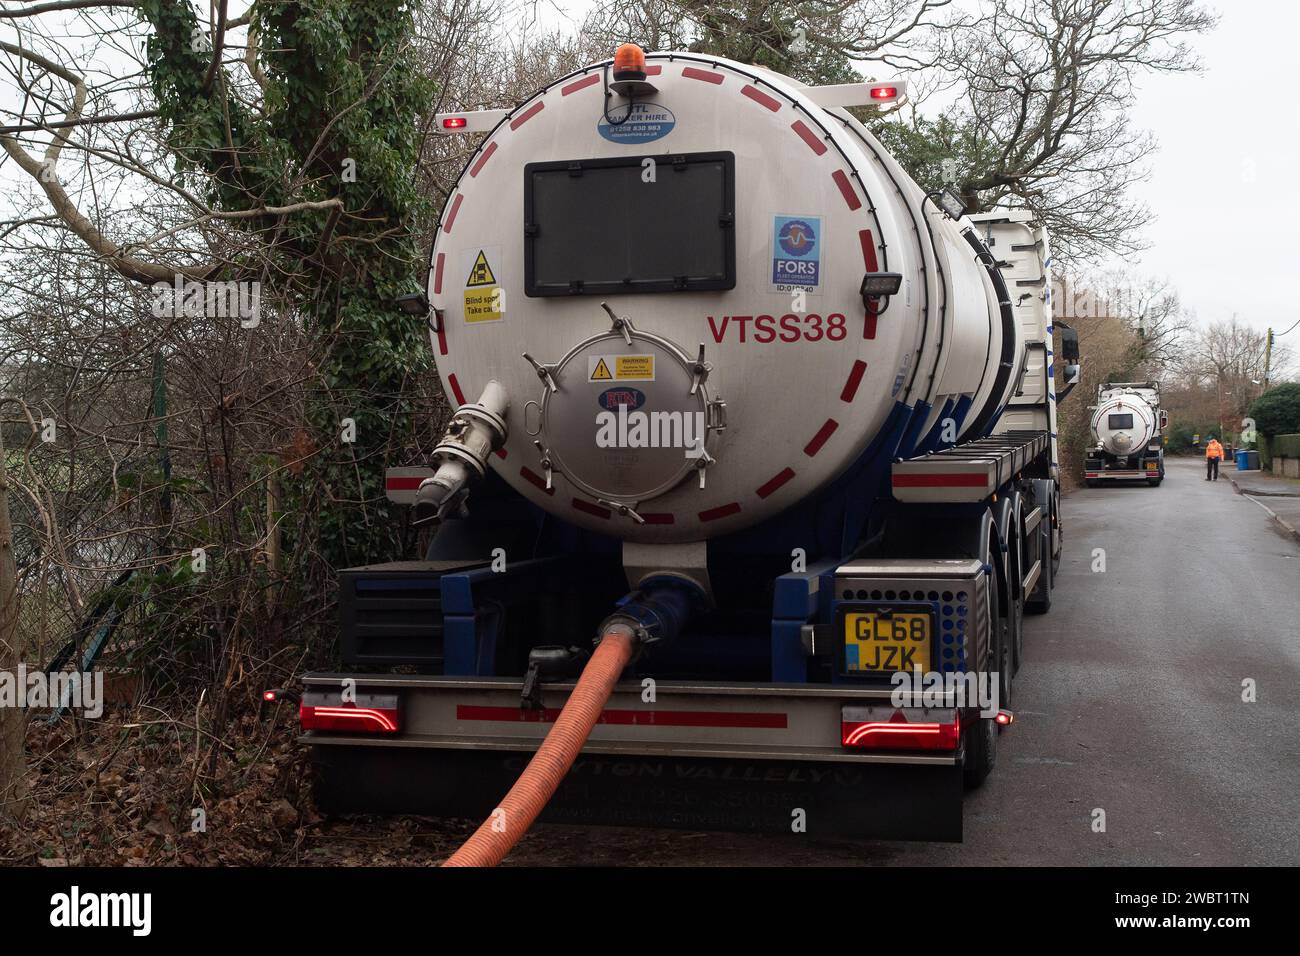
1128, 428
726, 378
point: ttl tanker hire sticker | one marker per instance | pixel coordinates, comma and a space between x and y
484, 299
620, 368
796, 254
646, 123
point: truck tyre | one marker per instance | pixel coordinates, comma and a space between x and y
981, 737
1092, 482
1008, 657
981, 752
1041, 600
1015, 634
1060, 534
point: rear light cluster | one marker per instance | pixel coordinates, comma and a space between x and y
876, 728
368, 714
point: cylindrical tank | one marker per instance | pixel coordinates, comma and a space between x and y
1123, 424
728, 222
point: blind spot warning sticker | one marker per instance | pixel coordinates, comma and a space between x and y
481, 273
620, 368
484, 305
484, 298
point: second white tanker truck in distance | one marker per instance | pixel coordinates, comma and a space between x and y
1128, 428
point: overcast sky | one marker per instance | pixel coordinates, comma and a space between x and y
1223, 192
1223, 188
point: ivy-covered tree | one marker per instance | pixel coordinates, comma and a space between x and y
331, 144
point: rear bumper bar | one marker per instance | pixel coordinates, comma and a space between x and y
721, 720
738, 757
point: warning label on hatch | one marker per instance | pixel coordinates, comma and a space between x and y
484, 299
620, 368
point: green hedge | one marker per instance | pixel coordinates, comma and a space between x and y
1277, 411
1286, 445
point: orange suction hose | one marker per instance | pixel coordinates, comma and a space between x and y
508, 823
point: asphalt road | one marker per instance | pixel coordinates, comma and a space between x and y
1129, 701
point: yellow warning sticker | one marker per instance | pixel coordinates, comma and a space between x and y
620, 368
484, 305
481, 273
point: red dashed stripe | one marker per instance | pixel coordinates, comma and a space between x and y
722, 511
868, 249
868, 242
757, 720
855, 379
581, 84
437, 274
823, 433
809, 137
527, 114
653, 70
442, 339
658, 517
775, 482
534, 478
758, 96
961, 479
404, 482
482, 160
455, 389
451, 216
708, 76
846, 189
590, 509
501, 453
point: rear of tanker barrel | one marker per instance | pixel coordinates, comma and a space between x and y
730, 386
1128, 427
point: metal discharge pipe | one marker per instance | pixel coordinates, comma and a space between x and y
475, 431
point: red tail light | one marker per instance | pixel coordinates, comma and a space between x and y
898, 732
884, 92
369, 714
454, 122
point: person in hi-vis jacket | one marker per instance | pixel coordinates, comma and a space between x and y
1213, 453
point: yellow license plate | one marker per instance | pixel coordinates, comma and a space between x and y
879, 643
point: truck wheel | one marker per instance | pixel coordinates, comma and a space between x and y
1055, 557
1154, 482
980, 739
1092, 482
1015, 633
1041, 601
981, 752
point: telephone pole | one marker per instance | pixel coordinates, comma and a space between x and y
1268, 355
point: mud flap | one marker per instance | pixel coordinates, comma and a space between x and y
840, 799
